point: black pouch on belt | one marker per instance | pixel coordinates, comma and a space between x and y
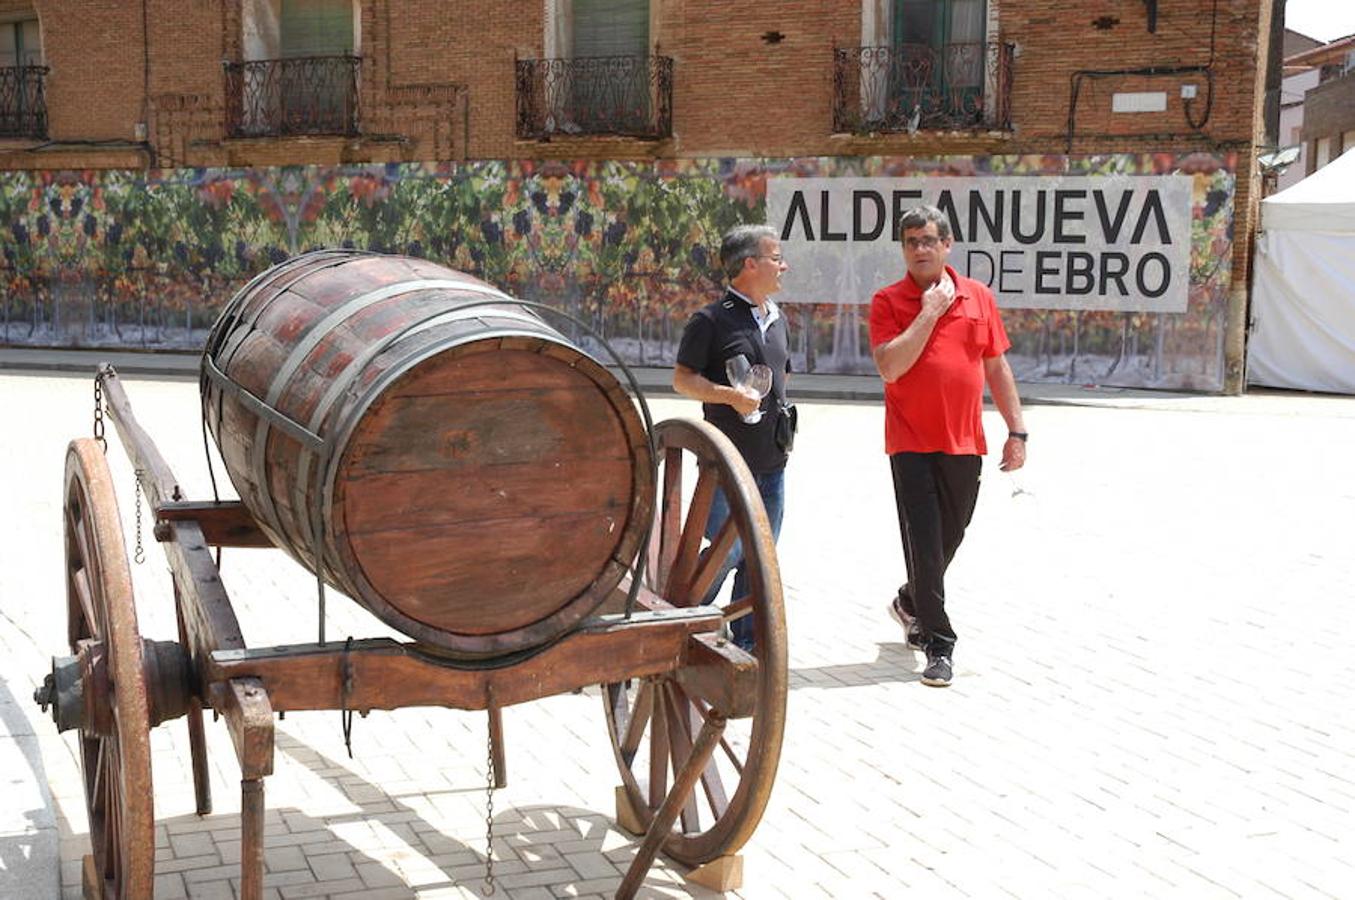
787, 423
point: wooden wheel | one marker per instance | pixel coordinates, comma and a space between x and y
115, 753
652, 721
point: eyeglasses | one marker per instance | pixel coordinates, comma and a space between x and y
775, 257
930, 241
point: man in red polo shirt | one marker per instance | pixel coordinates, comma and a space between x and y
937, 337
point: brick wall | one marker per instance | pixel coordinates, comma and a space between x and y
750, 79
1329, 110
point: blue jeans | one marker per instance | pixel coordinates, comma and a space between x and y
772, 487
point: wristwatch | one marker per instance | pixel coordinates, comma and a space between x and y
1021, 436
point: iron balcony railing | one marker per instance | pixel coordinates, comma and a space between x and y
23, 103
612, 95
911, 87
305, 95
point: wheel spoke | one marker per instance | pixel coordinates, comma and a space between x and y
80, 583
113, 825
693, 532
711, 562
703, 710
738, 609
639, 718
88, 568
100, 767
658, 751
711, 782
680, 749
670, 511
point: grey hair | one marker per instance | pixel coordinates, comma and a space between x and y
919, 216
742, 242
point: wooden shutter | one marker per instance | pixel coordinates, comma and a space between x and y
317, 28
20, 43
920, 22
611, 28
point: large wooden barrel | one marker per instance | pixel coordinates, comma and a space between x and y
459, 468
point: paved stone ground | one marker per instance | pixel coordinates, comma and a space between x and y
1152, 693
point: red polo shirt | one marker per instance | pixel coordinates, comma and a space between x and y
937, 405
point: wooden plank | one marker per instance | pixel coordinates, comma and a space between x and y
721, 674
488, 577
375, 502
506, 370
225, 524
390, 675
157, 479
209, 620
249, 718
486, 428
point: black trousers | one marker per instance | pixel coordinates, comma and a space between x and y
935, 494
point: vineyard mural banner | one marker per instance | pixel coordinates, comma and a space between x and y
1110, 269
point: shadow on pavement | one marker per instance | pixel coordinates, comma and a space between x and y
312, 855
28, 838
894, 664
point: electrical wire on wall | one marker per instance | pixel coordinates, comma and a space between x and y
1078, 77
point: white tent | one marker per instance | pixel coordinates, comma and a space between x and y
1303, 292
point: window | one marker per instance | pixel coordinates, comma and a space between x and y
20, 44
299, 74
610, 41
599, 74
316, 28
940, 44
23, 109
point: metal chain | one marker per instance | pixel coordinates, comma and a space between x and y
489, 813
99, 412
139, 554
346, 691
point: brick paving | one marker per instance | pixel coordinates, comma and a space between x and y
1151, 695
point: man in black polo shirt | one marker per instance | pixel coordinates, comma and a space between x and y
744, 322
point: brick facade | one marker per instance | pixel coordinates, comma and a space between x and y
135, 85
1329, 112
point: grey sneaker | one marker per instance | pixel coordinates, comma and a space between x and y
938, 672
912, 631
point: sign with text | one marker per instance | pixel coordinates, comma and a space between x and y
1117, 243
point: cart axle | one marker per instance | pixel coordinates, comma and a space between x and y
78, 687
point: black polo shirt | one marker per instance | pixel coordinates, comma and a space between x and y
719, 332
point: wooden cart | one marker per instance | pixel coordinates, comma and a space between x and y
670, 681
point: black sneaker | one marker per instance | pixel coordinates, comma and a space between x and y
937, 673
912, 631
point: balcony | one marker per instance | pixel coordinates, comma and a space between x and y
629, 96
23, 105
915, 87
282, 97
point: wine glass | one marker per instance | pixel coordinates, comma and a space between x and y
757, 377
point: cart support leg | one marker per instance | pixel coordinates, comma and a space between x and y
197, 739
683, 783
251, 839
197, 748
249, 716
